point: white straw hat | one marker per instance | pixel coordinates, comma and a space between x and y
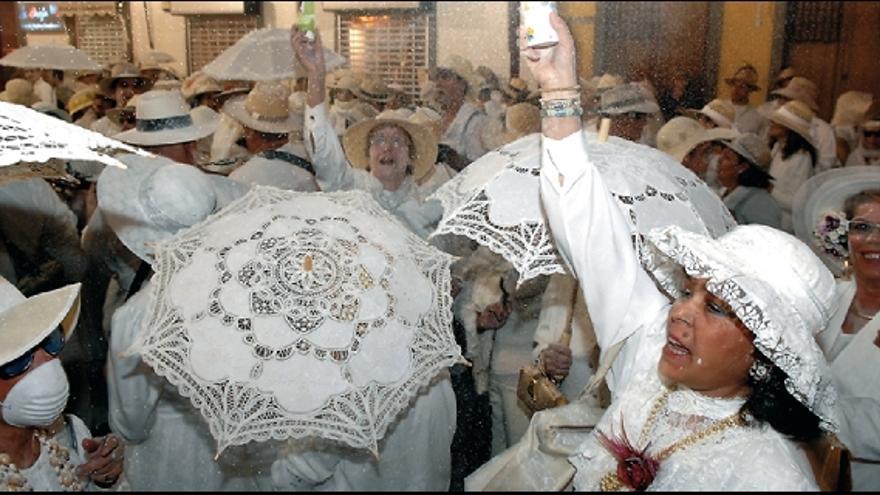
120, 71
199, 83
156, 197
163, 118
795, 115
851, 108
720, 111
775, 285
355, 142
800, 89
25, 322
19, 91
626, 98
751, 148
265, 109
681, 135
825, 194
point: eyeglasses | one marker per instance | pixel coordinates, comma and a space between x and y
52, 344
871, 134
135, 84
861, 228
395, 143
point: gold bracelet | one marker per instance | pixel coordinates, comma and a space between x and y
576, 87
560, 95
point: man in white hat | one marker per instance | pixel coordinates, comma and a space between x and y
164, 126
824, 139
868, 150
742, 172
345, 108
123, 83
463, 123
628, 106
201, 90
742, 84
273, 135
694, 146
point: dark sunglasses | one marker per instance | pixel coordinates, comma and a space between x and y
871, 133
52, 344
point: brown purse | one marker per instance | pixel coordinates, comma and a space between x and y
830, 461
535, 389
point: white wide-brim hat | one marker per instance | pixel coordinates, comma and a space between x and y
163, 118
156, 197
354, 141
796, 116
775, 285
680, 151
825, 194
236, 108
25, 322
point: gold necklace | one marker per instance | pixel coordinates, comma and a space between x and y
611, 481
59, 459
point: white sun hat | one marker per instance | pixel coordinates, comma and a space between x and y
775, 285
796, 116
824, 195
720, 111
25, 322
800, 89
625, 98
155, 197
163, 118
681, 135
266, 108
851, 108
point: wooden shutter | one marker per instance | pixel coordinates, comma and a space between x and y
208, 35
814, 22
393, 46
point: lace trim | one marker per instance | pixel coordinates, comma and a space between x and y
241, 411
688, 402
651, 189
808, 379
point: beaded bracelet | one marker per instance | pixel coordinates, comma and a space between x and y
569, 107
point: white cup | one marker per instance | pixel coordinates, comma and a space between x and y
535, 16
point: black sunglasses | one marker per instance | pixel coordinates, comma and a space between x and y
52, 344
871, 133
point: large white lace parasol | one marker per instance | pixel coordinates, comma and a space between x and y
264, 55
299, 315
61, 57
35, 144
496, 199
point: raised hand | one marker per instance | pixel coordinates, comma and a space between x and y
309, 53
553, 67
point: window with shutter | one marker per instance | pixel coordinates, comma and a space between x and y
393, 46
814, 22
208, 35
104, 37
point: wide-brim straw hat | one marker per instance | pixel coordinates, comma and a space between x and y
775, 285
428, 118
115, 113
747, 74
25, 322
626, 98
163, 118
373, 89
354, 141
796, 116
120, 71
706, 136
521, 119
19, 91
155, 197
81, 100
751, 148
719, 111
826, 193
198, 84
851, 108
677, 131
265, 109
800, 89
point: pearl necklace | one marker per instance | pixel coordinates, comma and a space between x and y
59, 459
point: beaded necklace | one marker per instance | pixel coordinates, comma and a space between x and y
12, 479
636, 469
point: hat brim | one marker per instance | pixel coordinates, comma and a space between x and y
119, 200
745, 154
27, 323
170, 136
784, 92
354, 141
235, 108
794, 126
718, 134
752, 87
4, 96
824, 193
674, 251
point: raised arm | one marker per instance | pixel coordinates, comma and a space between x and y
588, 226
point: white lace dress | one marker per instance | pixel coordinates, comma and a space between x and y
624, 302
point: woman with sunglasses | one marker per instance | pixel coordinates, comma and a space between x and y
840, 217
713, 386
868, 150
40, 449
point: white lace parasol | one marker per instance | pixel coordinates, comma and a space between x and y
60, 57
496, 199
298, 315
30, 141
264, 55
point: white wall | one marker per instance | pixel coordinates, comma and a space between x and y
47, 39
169, 34
476, 31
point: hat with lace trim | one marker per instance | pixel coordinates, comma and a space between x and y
162, 117
775, 285
355, 142
823, 196
266, 109
156, 197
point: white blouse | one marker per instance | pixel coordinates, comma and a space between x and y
790, 173
624, 302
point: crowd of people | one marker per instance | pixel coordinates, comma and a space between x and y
735, 351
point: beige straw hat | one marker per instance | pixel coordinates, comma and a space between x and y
355, 142
198, 83
752, 148
800, 89
720, 111
19, 91
680, 136
522, 119
121, 71
81, 99
747, 74
795, 115
265, 109
373, 89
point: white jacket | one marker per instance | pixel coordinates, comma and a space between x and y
789, 173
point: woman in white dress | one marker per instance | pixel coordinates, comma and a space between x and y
793, 154
842, 218
709, 391
41, 450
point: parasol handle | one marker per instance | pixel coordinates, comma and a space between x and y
565, 338
604, 127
